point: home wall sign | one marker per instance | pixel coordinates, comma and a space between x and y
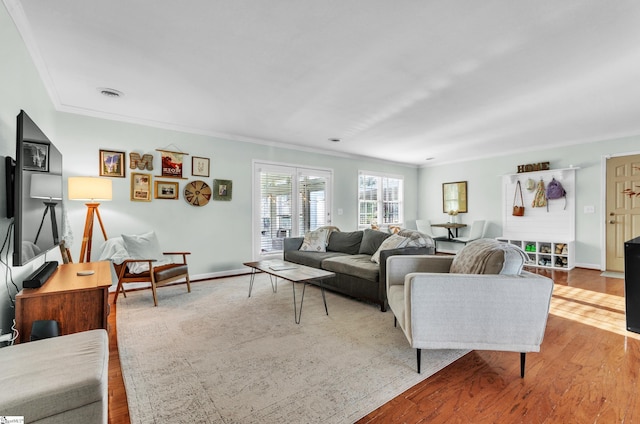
532, 167
141, 161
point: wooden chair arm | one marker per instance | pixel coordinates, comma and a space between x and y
128, 261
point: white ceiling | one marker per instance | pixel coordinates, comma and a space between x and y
399, 80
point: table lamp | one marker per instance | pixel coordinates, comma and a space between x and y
47, 187
90, 189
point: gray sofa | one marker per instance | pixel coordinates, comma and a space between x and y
60, 380
349, 254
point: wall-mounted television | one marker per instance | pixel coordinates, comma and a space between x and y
37, 192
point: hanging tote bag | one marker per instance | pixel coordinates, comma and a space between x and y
540, 199
518, 210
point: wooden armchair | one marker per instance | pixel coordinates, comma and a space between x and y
134, 269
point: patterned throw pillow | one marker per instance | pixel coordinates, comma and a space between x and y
315, 241
393, 242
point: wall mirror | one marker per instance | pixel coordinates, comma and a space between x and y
454, 197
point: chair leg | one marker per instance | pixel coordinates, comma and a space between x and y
418, 357
188, 284
395, 321
522, 360
154, 289
119, 288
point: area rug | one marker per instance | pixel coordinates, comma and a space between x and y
217, 356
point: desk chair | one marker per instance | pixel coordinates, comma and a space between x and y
476, 232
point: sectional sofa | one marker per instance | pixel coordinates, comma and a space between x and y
358, 259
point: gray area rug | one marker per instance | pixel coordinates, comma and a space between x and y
216, 356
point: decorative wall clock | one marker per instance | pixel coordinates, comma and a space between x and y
197, 193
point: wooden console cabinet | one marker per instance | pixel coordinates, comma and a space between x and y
78, 303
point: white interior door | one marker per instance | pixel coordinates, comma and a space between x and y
623, 207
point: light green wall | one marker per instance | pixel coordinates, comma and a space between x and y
218, 234
485, 190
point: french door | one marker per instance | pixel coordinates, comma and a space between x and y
288, 201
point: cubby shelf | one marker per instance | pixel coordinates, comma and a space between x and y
547, 254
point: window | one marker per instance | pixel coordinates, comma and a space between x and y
379, 199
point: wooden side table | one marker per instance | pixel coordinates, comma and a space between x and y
78, 303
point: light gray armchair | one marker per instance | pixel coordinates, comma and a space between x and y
501, 308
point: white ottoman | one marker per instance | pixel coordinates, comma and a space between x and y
58, 380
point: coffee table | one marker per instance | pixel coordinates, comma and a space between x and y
295, 273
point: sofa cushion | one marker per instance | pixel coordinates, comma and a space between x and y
371, 241
312, 259
315, 241
357, 265
489, 256
393, 242
345, 242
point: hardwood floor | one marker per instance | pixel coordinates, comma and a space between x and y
586, 372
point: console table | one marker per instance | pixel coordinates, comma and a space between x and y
78, 303
449, 226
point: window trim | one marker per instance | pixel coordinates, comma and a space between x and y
380, 200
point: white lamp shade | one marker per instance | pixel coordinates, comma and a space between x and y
46, 186
89, 188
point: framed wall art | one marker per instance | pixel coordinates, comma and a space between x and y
112, 163
36, 156
166, 190
140, 187
222, 189
171, 163
199, 166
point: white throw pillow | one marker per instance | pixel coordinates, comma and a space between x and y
143, 246
393, 242
315, 241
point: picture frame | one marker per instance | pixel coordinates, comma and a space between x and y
199, 166
36, 156
171, 163
112, 163
166, 190
222, 189
141, 187
454, 197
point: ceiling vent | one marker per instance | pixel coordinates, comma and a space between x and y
110, 92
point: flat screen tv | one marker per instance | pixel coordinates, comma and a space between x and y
37, 192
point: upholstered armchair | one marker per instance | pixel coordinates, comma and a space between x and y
480, 299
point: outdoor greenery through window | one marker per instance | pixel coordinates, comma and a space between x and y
380, 199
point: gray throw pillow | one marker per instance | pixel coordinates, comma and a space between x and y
371, 241
345, 242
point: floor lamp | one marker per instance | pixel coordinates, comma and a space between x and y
90, 189
49, 188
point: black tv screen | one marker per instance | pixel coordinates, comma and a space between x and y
37, 198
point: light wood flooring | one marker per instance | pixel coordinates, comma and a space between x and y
586, 372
